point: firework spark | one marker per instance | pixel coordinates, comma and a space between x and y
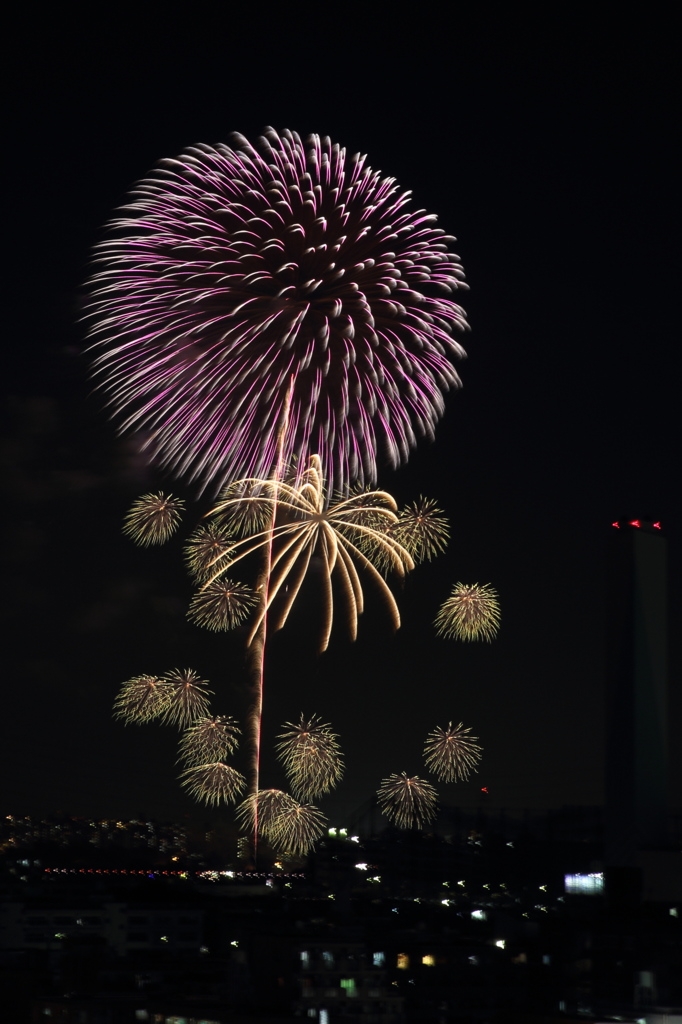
142, 699
341, 535
187, 698
311, 757
232, 269
153, 518
214, 783
221, 604
407, 802
209, 739
472, 612
451, 753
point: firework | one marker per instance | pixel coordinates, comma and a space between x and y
214, 783
245, 511
342, 535
187, 698
153, 518
206, 544
451, 753
209, 739
271, 803
311, 756
232, 270
295, 829
472, 612
221, 604
407, 802
422, 529
142, 699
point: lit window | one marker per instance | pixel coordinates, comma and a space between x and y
402, 962
429, 960
328, 959
378, 959
586, 885
348, 984
500, 943
324, 1016
305, 957
479, 915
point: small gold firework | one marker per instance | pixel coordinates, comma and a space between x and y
209, 739
247, 507
214, 783
221, 605
142, 699
409, 802
311, 757
204, 547
269, 805
451, 753
153, 518
296, 828
187, 697
472, 612
422, 529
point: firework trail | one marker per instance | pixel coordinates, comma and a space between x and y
451, 753
311, 757
153, 518
472, 612
233, 269
409, 802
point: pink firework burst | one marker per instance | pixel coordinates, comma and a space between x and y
232, 271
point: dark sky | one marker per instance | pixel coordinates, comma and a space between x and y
546, 147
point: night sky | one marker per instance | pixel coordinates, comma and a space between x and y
547, 148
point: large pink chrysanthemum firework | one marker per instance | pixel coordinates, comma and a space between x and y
233, 270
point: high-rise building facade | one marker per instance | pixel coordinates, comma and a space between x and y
636, 692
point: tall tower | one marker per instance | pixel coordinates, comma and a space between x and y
636, 693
